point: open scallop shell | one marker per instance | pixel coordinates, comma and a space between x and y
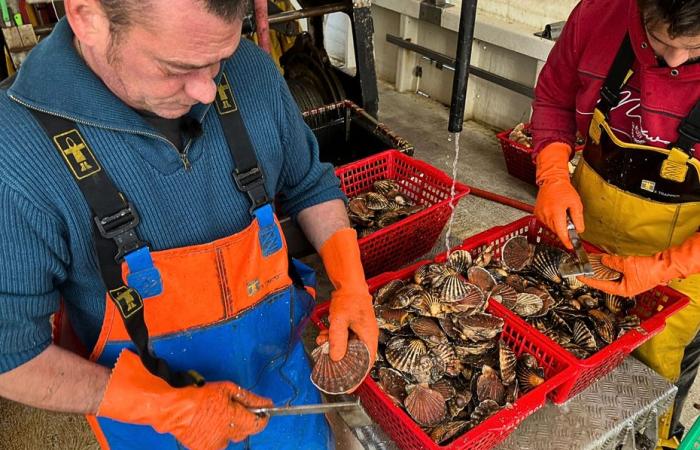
604, 325
617, 304
457, 404
391, 319
447, 354
340, 377
454, 289
407, 295
600, 270
404, 353
529, 378
426, 406
517, 253
478, 326
507, 363
485, 257
429, 306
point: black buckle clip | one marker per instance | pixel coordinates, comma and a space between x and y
688, 136
252, 182
121, 228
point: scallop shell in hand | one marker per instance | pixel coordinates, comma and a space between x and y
340, 377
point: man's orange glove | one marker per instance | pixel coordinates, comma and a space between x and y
351, 304
641, 273
557, 194
201, 418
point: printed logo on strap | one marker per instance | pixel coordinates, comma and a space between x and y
127, 300
225, 103
77, 154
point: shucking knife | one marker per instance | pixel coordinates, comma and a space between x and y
580, 265
305, 409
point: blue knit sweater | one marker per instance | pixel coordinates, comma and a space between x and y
46, 248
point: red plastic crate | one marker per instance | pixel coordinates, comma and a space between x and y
409, 238
519, 157
653, 307
408, 435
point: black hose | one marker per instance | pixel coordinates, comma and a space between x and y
464, 55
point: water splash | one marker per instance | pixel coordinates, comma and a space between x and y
452, 137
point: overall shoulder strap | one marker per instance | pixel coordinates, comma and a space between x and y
619, 73
114, 225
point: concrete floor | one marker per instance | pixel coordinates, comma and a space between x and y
422, 122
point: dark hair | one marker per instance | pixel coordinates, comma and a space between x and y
122, 13
681, 17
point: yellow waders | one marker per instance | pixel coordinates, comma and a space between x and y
639, 200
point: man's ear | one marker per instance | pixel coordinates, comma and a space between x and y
88, 21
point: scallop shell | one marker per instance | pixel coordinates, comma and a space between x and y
386, 186
617, 304
604, 325
527, 360
546, 263
429, 306
446, 431
390, 217
387, 291
489, 386
576, 350
404, 353
507, 362
460, 260
529, 378
426, 406
601, 271
481, 278
588, 301
505, 295
420, 276
407, 295
557, 321
454, 288
376, 201
583, 337
484, 410
358, 207
548, 301
445, 388
467, 349
517, 253
458, 403
516, 282
340, 377
573, 282
446, 353
478, 327
391, 319
393, 383
527, 305
428, 330
448, 327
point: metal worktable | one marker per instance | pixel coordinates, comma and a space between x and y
607, 415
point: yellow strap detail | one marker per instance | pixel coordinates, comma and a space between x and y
594, 130
675, 167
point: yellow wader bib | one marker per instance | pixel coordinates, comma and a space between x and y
639, 200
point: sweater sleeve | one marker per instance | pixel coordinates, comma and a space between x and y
33, 261
304, 181
554, 108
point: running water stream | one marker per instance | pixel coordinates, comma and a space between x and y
452, 137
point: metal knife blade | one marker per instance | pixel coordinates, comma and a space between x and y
583, 265
305, 409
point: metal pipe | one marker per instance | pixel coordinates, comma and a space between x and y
464, 55
262, 26
449, 63
305, 13
501, 199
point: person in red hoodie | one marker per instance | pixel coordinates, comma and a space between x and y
626, 74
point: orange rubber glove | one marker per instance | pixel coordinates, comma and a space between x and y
641, 273
557, 194
201, 418
351, 304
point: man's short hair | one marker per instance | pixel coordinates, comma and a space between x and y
681, 17
122, 13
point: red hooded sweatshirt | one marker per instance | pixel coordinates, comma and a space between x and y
652, 103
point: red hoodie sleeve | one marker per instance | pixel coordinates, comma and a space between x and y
554, 108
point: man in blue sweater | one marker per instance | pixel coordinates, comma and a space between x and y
142, 142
